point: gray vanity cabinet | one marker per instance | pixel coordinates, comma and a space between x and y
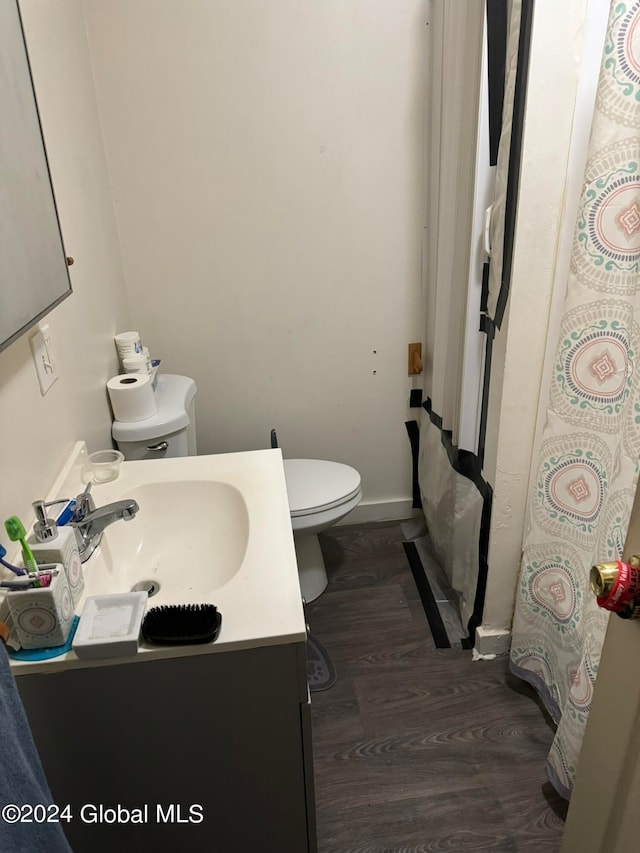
211, 751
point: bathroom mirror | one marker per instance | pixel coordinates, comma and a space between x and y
33, 268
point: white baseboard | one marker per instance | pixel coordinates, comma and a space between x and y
492, 641
381, 511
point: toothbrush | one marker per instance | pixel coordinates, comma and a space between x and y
42, 580
17, 533
34, 580
18, 585
7, 565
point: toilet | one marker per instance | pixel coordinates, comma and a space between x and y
320, 493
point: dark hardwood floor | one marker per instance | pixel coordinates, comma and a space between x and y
418, 749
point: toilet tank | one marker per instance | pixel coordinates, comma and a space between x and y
170, 432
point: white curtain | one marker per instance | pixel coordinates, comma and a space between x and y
452, 505
451, 502
588, 461
456, 32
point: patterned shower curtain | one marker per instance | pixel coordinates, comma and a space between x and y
588, 464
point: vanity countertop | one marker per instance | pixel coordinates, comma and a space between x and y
257, 589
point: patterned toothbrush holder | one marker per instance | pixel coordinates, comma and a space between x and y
43, 616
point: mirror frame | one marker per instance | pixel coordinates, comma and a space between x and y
34, 274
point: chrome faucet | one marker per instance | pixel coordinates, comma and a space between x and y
90, 521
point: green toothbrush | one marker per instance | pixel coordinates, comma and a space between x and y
17, 533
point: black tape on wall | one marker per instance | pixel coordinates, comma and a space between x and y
413, 431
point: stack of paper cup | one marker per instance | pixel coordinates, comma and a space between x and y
136, 364
128, 344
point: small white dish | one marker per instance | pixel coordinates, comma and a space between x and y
110, 625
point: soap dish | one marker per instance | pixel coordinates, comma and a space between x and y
110, 625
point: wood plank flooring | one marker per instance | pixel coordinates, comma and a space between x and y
418, 749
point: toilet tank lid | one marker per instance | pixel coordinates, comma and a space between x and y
173, 397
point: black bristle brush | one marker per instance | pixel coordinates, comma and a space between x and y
181, 624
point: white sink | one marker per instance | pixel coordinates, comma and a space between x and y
210, 529
188, 539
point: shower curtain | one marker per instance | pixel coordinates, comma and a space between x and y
588, 462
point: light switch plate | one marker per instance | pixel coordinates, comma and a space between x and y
43, 356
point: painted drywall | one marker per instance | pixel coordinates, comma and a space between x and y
518, 381
38, 432
265, 161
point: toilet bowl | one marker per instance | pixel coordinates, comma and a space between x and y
320, 493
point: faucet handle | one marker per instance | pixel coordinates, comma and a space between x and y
84, 504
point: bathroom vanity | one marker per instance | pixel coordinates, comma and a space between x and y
213, 750
201, 747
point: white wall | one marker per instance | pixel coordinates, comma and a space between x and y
265, 161
37, 432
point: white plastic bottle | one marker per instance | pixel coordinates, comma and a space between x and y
53, 544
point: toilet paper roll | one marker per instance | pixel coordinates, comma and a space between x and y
132, 397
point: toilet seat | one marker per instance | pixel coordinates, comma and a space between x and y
316, 485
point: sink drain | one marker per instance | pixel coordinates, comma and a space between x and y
150, 587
